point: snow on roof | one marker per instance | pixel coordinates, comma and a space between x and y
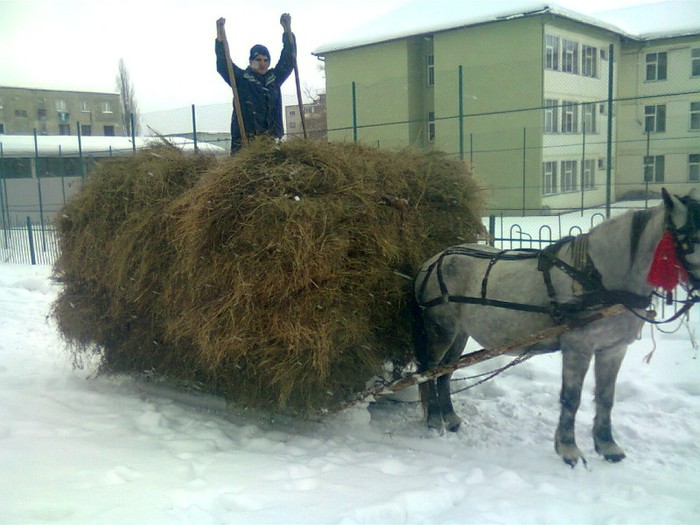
670, 18
50, 145
422, 17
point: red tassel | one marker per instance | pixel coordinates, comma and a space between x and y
666, 270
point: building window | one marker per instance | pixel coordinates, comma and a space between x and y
16, 168
695, 116
431, 126
86, 130
106, 107
21, 113
430, 65
654, 168
41, 113
61, 105
64, 129
109, 131
694, 167
292, 125
549, 178
589, 58
694, 64
2, 128
656, 66
569, 59
589, 115
551, 115
569, 117
655, 119
568, 175
589, 174
85, 106
551, 52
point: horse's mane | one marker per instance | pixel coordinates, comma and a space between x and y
622, 248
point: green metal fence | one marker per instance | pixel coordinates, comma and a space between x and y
29, 243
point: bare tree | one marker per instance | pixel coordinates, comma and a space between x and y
315, 112
128, 99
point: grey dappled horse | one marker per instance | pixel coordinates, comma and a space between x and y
498, 297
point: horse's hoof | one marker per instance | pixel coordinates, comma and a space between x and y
435, 425
569, 453
572, 462
453, 422
611, 452
614, 458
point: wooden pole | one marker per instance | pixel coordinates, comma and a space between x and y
293, 42
485, 354
234, 89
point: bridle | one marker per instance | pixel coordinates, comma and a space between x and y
686, 237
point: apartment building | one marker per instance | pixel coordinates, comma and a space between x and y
56, 112
659, 115
315, 119
529, 96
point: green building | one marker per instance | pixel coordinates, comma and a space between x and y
522, 94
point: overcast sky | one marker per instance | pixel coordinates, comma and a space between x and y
168, 46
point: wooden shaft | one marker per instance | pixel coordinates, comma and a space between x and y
293, 42
232, 78
485, 354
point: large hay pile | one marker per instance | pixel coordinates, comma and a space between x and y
275, 278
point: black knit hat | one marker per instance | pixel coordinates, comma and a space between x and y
259, 49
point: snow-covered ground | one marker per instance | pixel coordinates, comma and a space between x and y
77, 449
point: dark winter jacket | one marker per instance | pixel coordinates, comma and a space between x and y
260, 96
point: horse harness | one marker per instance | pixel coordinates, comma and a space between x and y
587, 281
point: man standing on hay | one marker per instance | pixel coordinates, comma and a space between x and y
257, 86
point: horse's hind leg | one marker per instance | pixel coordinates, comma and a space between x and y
451, 419
607, 365
439, 347
575, 364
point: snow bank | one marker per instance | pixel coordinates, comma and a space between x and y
81, 450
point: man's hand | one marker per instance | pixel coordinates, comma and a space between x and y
286, 21
220, 29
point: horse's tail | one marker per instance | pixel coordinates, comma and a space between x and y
419, 336
420, 346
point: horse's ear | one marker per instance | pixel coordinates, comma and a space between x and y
675, 208
668, 201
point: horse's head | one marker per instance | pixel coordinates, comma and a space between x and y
683, 221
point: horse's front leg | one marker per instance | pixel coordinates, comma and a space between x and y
575, 363
607, 365
431, 405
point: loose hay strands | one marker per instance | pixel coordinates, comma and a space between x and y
271, 278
